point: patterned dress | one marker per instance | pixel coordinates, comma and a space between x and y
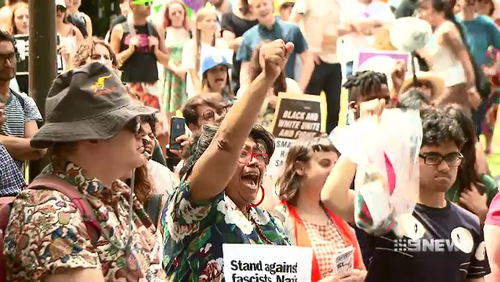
194, 234
46, 233
174, 88
490, 118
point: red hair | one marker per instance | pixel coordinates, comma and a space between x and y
166, 19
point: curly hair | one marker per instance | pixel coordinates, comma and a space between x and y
364, 83
439, 127
255, 69
143, 185
302, 150
262, 137
86, 49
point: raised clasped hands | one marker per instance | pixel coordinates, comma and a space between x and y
275, 55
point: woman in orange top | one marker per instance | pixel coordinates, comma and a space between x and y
306, 221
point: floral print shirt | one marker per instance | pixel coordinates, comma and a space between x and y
46, 233
194, 234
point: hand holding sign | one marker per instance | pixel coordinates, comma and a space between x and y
275, 55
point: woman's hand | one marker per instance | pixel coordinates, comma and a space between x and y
355, 276
372, 109
275, 56
185, 142
475, 202
398, 75
63, 51
474, 98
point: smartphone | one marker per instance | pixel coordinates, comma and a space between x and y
177, 129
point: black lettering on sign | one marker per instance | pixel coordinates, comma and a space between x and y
297, 118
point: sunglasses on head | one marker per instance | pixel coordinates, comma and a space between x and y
143, 2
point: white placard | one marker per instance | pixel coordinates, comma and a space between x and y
266, 263
344, 262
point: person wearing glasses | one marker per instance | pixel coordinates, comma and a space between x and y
218, 200
440, 241
21, 112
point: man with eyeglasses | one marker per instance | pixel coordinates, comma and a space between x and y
21, 112
203, 109
441, 241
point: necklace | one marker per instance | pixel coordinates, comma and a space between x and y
257, 227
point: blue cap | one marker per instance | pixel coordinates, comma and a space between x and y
213, 60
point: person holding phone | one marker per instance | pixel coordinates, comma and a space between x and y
226, 170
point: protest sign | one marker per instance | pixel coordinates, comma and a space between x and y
297, 115
381, 61
22, 45
266, 263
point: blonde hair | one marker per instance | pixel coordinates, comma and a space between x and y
200, 16
12, 24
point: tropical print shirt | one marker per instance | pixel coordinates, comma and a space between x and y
46, 232
194, 234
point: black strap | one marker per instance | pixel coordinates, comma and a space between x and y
152, 206
19, 98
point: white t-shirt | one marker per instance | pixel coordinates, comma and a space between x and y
322, 18
376, 10
165, 180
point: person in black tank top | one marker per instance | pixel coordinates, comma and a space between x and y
139, 46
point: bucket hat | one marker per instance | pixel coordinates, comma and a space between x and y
89, 103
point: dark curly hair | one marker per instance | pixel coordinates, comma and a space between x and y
258, 133
439, 127
255, 69
364, 83
86, 49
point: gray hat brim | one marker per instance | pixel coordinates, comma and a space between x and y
101, 127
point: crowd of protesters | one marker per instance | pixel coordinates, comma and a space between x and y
121, 200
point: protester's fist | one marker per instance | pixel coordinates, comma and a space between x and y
398, 75
275, 55
372, 109
2, 114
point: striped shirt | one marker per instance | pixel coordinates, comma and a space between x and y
16, 116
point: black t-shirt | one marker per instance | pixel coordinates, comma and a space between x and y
451, 248
120, 19
238, 26
142, 65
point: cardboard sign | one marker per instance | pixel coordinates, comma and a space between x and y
246, 262
297, 115
22, 45
381, 61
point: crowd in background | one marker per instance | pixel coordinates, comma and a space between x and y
159, 209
